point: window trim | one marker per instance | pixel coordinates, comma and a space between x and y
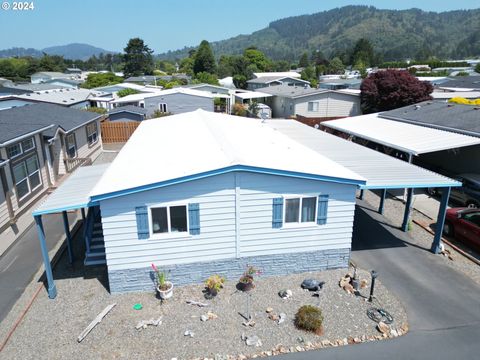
74, 144
95, 132
164, 105
169, 234
30, 189
317, 103
299, 223
22, 150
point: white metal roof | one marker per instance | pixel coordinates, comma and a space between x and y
197, 144
380, 170
278, 73
252, 95
74, 193
179, 90
438, 95
410, 138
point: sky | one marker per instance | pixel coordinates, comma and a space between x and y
165, 24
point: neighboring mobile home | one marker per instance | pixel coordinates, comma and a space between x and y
319, 104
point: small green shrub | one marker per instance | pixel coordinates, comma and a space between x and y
309, 318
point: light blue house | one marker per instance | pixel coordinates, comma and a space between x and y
225, 192
203, 193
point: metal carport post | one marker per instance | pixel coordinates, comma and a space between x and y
440, 220
51, 288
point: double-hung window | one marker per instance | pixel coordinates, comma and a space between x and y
71, 146
92, 133
313, 106
169, 219
300, 210
162, 107
26, 175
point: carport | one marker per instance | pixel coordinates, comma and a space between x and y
73, 194
410, 139
382, 172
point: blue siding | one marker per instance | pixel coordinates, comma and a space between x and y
219, 203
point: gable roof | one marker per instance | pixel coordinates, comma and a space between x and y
130, 109
462, 82
270, 79
37, 116
298, 91
459, 118
64, 97
293, 74
178, 90
202, 144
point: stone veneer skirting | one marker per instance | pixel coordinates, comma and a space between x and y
142, 279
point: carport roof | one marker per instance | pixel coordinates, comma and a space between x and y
74, 193
410, 138
380, 170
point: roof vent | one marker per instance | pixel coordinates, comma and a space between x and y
476, 108
418, 107
449, 105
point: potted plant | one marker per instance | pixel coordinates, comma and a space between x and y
245, 283
213, 285
164, 287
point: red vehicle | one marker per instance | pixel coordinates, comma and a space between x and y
464, 225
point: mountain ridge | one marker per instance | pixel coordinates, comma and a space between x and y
397, 34
73, 51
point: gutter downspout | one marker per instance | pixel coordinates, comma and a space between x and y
6, 194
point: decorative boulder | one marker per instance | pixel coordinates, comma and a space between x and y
312, 285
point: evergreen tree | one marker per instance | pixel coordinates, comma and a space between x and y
363, 53
204, 60
138, 58
303, 63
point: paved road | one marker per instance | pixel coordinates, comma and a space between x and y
23, 259
443, 305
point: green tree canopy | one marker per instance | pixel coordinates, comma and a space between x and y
138, 58
126, 92
303, 62
336, 66
207, 78
101, 79
204, 61
363, 53
257, 58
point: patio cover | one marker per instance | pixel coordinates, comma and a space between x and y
380, 170
410, 138
252, 95
74, 193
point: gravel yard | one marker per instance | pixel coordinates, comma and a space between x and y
50, 329
394, 209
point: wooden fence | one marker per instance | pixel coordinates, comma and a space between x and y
118, 131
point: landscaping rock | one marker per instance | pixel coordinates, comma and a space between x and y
189, 333
204, 317
269, 310
281, 318
285, 294
383, 328
253, 340
312, 284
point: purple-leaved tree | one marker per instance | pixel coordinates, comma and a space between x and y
391, 89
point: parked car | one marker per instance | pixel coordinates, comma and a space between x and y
468, 195
464, 225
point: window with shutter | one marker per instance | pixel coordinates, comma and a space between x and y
194, 218
277, 213
143, 231
322, 209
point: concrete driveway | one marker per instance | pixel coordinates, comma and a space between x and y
443, 305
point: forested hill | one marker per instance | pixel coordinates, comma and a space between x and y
396, 34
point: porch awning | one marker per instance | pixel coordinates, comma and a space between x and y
74, 193
410, 138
